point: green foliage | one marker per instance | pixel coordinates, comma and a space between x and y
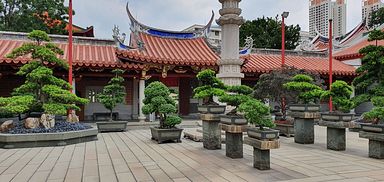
114, 92
235, 96
371, 77
304, 85
257, 113
377, 18
42, 91
27, 15
341, 96
210, 86
266, 33
157, 100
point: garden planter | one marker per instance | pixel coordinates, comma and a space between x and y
285, 128
112, 126
267, 134
162, 135
211, 109
376, 143
337, 117
375, 128
233, 120
304, 115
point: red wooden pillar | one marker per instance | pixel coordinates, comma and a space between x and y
185, 93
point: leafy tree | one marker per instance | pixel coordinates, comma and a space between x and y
157, 100
236, 95
257, 113
114, 92
271, 86
210, 86
377, 18
304, 85
42, 91
28, 15
266, 33
341, 96
371, 77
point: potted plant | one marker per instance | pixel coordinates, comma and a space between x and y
258, 114
341, 99
234, 97
113, 94
50, 95
157, 100
210, 86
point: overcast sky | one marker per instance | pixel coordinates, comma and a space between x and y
180, 14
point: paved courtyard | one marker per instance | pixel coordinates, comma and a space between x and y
132, 156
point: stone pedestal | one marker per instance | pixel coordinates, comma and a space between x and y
304, 126
376, 144
233, 140
211, 131
261, 152
336, 137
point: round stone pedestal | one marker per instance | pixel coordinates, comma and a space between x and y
233, 140
211, 131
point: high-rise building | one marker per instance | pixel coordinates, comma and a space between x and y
368, 7
320, 11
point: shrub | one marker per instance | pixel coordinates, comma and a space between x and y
157, 100
257, 113
308, 91
210, 86
114, 92
236, 95
341, 96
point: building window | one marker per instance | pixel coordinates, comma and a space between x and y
217, 33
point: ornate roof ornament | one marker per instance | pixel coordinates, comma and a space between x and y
248, 46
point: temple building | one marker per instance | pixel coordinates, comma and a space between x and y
151, 54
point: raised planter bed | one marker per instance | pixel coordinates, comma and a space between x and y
304, 107
112, 126
287, 130
233, 120
211, 109
376, 128
29, 140
162, 135
337, 117
267, 134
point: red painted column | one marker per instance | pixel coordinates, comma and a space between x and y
70, 44
283, 42
330, 63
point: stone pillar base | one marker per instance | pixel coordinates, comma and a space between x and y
211, 134
336, 139
234, 145
376, 149
304, 131
261, 159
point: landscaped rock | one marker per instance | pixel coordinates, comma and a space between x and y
6, 126
31, 123
47, 120
72, 117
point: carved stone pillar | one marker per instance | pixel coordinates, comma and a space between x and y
230, 63
142, 117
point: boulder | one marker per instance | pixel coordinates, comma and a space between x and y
47, 120
7, 125
31, 123
72, 117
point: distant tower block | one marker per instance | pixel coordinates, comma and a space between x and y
230, 63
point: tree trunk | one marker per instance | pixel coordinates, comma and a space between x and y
111, 115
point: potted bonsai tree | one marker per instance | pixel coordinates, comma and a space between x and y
258, 114
157, 100
51, 95
210, 86
113, 94
338, 120
234, 97
307, 110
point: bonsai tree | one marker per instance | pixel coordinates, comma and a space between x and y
371, 78
157, 100
114, 92
235, 96
308, 92
341, 96
210, 86
49, 94
257, 113
271, 86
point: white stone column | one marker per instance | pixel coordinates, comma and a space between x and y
230, 63
73, 85
142, 117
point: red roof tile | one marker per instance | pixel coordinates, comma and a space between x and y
172, 51
84, 55
262, 63
353, 51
